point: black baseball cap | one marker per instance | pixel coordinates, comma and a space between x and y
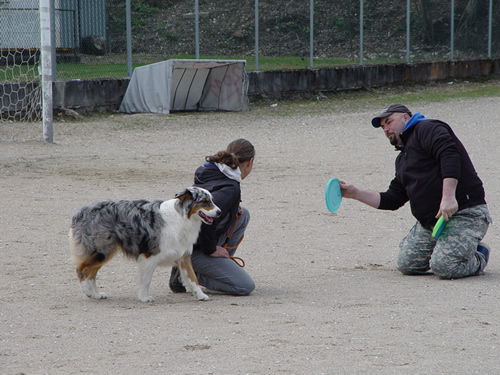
393, 108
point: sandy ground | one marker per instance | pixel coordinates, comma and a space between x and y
328, 300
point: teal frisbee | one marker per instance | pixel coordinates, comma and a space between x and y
333, 195
438, 228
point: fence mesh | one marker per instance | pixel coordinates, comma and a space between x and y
91, 42
20, 90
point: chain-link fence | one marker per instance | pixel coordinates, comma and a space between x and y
91, 40
90, 36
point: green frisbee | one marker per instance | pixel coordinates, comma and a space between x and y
438, 228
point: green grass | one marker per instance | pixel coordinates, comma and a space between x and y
67, 72
115, 66
119, 70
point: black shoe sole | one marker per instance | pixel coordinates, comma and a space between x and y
175, 284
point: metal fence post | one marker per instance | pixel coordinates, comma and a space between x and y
311, 33
407, 31
256, 35
197, 29
128, 18
452, 30
361, 32
52, 13
490, 26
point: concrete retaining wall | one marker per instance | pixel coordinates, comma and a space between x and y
279, 84
89, 96
104, 95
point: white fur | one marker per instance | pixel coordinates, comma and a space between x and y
177, 240
90, 289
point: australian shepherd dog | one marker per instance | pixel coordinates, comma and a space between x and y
151, 232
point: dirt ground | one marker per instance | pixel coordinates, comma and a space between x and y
328, 299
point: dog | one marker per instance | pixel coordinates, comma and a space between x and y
151, 232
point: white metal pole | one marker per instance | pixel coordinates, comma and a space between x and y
311, 33
46, 55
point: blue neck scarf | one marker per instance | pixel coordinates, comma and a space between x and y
414, 120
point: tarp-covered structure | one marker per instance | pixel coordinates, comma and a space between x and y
187, 85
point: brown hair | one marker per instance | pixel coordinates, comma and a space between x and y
237, 152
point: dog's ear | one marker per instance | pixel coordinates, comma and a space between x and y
183, 195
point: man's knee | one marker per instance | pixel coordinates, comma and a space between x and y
408, 269
444, 268
244, 289
409, 263
245, 216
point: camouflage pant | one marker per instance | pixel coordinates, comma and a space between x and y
454, 254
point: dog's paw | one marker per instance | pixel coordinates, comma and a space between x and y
97, 295
201, 296
90, 289
146, 299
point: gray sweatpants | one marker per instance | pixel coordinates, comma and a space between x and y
454, 254
223, 274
